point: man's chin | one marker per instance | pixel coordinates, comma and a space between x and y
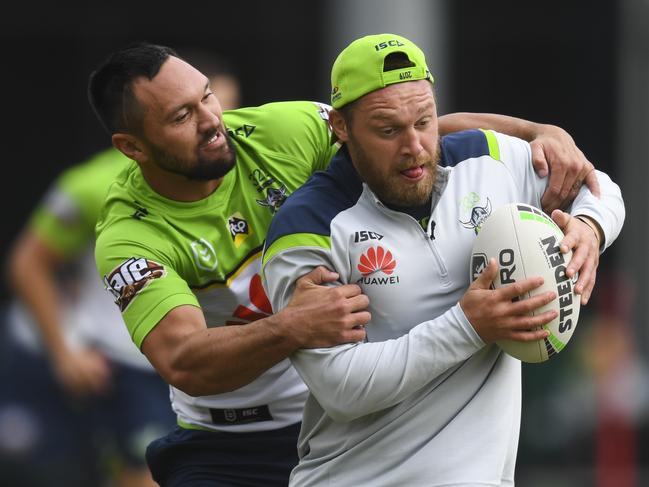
209, 173
207, 170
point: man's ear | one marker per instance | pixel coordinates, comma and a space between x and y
339, 125
128, 145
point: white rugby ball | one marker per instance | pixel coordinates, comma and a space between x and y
525, 242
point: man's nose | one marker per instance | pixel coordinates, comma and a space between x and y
412, 142
208, 120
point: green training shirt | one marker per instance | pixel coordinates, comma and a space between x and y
156, 254
67, 216
65, 220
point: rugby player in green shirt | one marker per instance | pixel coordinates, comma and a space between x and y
179, 243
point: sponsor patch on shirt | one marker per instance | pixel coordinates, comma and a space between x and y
241, 416
376, 259
129, 278
239, 228
377, 266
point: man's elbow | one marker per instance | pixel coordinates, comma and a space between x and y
342, 411
192, 383
174, 374
340, 416
184, 382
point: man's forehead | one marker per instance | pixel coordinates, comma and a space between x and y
410, 96
175, 81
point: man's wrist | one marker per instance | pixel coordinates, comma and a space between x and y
282, 325
530, 131
594, 226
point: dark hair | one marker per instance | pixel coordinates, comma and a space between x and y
110, 87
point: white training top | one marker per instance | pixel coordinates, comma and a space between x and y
424, 402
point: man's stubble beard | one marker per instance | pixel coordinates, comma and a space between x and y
203, 169
390, 191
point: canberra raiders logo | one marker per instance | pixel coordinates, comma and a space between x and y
478, 216
274, 198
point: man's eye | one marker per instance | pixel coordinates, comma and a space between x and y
182, 117
388, 131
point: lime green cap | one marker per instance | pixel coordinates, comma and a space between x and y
358, 69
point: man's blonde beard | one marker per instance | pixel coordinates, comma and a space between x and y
394, 194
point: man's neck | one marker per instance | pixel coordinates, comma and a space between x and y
418, 212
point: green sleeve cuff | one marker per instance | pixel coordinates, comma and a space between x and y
158, 312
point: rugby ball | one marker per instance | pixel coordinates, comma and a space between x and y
525, 243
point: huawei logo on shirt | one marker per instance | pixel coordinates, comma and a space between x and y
377, 266
258, 308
